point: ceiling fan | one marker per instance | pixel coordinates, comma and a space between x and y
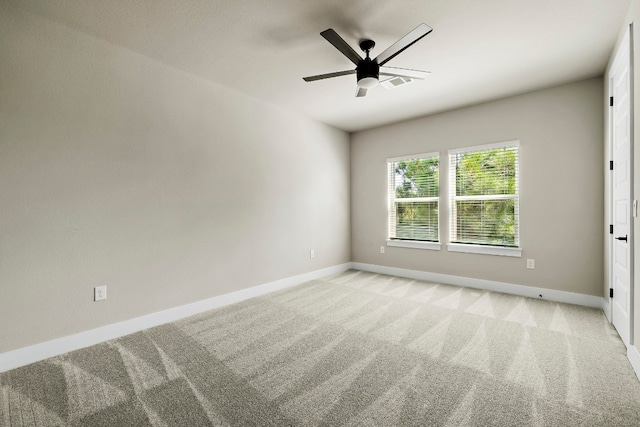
368, 71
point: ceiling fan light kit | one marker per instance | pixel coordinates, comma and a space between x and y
368, 71
368, 82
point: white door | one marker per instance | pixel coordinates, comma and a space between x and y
619, 81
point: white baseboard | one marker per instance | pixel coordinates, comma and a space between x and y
34, 353
489, 285
634, 357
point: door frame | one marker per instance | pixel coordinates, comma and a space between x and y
626, 43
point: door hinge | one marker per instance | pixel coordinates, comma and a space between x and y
610, 292
610, 165
611, 101
610, 228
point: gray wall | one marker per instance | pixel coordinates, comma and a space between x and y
561, 188
118, 170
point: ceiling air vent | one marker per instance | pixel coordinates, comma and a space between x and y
395, 82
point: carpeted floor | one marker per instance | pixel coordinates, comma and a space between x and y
355, 349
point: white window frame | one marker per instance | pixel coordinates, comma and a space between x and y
480, 248
413, 244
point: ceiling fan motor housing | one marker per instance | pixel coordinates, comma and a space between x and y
368, 72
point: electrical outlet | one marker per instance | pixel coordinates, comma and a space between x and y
99, 293
531, 263
312, 253
381, 249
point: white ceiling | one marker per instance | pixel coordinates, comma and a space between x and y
478, 50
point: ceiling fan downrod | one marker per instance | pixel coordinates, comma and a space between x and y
368, 71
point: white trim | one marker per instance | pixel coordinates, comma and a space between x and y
632, 229
392, 201
414, 244
506, 144
413, 157
488, 197
34, 353
608, 302
453, 198
489, 285
634, 358
484, 249
416, 199
606, 307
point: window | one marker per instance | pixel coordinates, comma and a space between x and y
414, 191
483, 189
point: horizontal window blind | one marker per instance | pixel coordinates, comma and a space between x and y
414, 191
483, 187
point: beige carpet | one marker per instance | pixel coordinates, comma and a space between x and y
356, 349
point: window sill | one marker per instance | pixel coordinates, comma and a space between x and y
414, 244
487, 250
